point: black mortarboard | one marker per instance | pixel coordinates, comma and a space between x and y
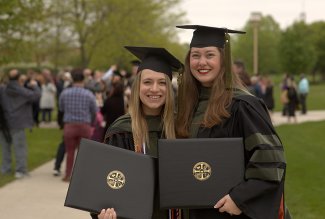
156, 59
204, 36
135, 62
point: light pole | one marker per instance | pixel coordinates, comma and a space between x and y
255, 19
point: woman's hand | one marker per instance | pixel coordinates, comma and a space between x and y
109, 213
226, 204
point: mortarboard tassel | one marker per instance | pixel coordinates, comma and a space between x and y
228, 61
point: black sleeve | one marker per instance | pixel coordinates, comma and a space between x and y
259, 195
94, 216
120, 139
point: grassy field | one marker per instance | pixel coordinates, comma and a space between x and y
42, 145
305, 180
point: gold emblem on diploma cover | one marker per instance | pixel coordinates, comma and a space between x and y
116, 179
202, 171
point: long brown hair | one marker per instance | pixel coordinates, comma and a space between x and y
139, 125
219, 100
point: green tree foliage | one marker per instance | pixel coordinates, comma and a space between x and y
318, 37
85, 32
10, 23
269, 34
298, 53
139, 22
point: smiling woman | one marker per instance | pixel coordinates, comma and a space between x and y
151, 112
220, 107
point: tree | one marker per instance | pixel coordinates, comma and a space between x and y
269, 34
100, 29
139, 23
298, 53
318, 35
10, 22
84, 32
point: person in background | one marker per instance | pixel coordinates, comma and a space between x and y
5, 137
255, 86
213, 103
134, 69
127, 91
79, 112
151, 113
47, 101
303, 90
114, 104
267, 93
284, 94
16, 102
240, 70
293, 100
33, 75
108, 75
63, 82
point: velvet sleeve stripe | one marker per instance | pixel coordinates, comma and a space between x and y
268, 174
270, 156
256, 139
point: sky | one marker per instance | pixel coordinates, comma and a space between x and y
233, 14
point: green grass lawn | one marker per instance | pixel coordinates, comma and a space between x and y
305, 180
42, 146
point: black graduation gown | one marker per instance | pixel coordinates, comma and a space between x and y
259, 194
120, 134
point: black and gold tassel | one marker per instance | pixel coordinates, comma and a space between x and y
228, 62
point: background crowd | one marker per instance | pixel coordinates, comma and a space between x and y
33, 99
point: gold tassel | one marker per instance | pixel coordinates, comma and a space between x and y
137, 147
179, 78
228, 62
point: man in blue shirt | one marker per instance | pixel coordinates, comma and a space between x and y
303, 89
79, 112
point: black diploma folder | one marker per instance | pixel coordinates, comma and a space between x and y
106, 176
196, 173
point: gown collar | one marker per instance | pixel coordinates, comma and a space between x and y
204, 93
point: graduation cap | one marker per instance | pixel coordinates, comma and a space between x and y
156, 59
205, 36
135, 62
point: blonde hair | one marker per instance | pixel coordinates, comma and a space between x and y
139, 125
219, 100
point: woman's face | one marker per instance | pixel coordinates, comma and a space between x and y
205, 64
152, 91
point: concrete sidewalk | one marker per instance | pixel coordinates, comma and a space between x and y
315, 115
42, 195
39, 196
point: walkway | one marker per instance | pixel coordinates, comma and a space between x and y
315, 115
42, 195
